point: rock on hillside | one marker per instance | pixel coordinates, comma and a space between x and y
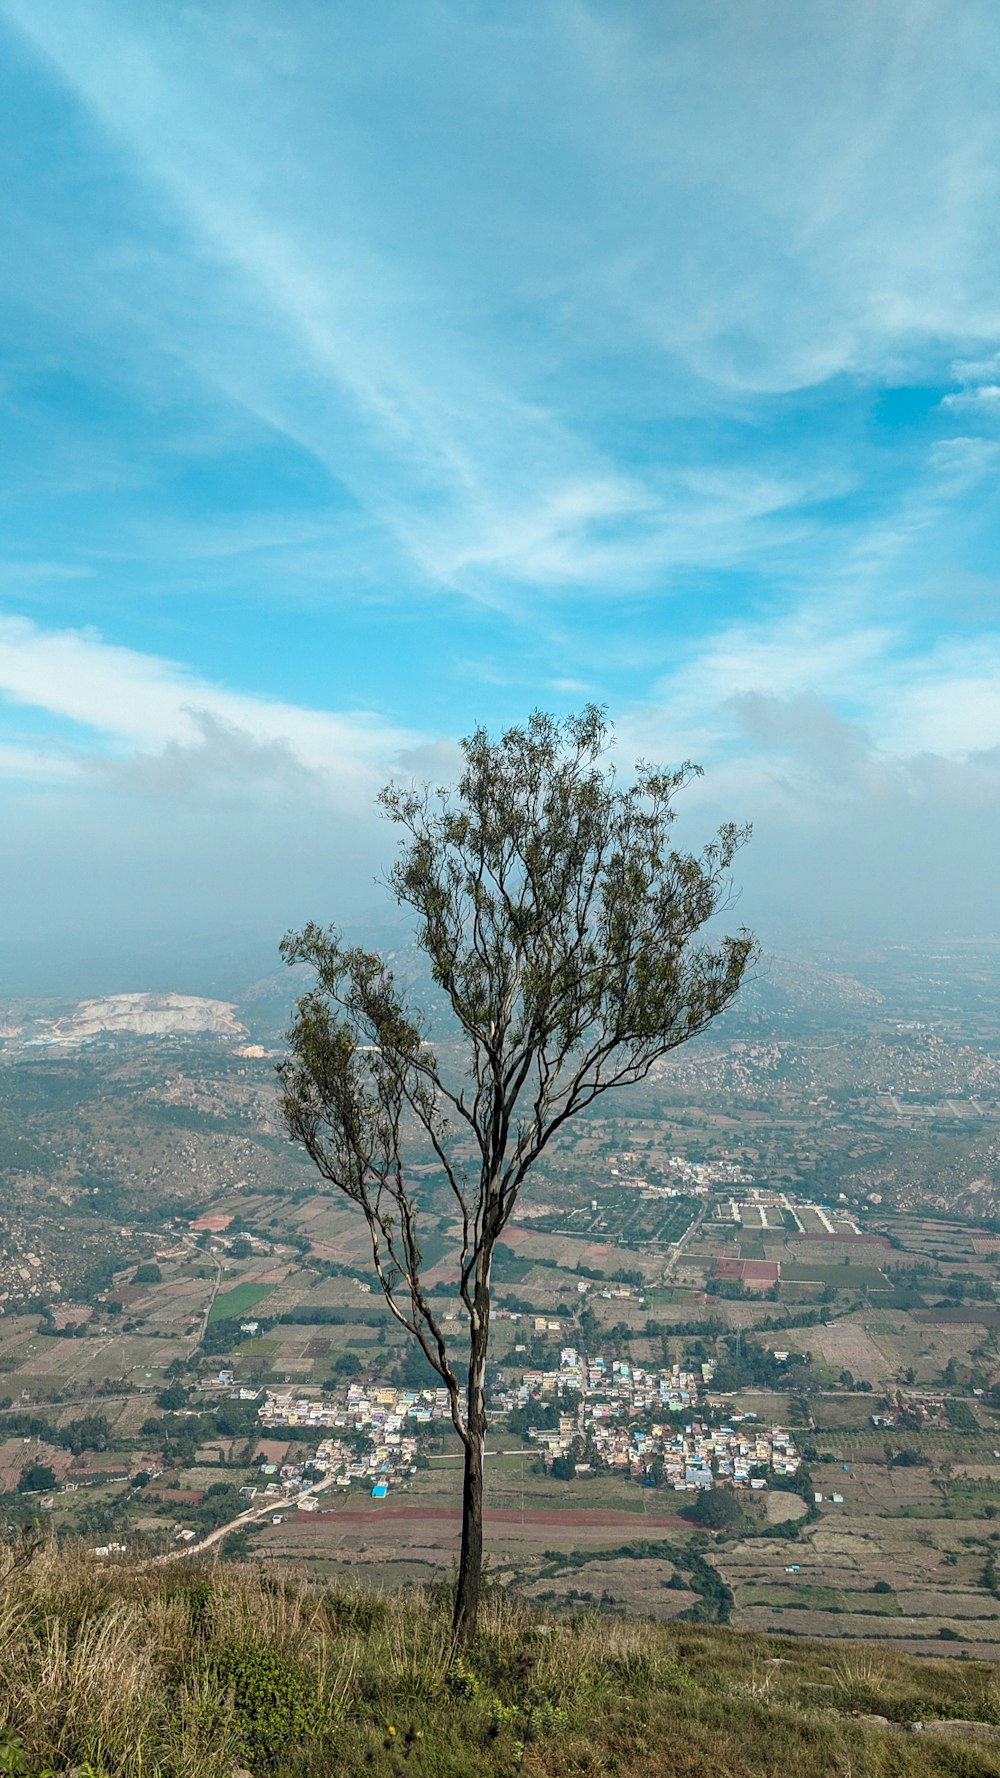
148, 1015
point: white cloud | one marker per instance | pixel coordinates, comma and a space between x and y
833, 177
986, 395
128, 702
174, 808
814, 689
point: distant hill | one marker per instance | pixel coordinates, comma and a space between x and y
135, 1015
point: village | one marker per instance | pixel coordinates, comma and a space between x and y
614, 1420
605, 1416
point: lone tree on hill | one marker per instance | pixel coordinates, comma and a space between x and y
559, 923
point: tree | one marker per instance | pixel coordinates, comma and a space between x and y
36, 1478
559, 923
348, 1365
715, 1509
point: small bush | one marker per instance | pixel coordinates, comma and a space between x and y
274, 1700
354, 1611
460, 1683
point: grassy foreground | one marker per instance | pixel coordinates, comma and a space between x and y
206, 1673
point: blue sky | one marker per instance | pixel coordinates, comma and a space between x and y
369, 372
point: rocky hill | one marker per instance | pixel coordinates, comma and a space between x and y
134, 1015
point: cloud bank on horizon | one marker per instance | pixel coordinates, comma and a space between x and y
371, 373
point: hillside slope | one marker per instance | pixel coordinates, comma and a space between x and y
208, 1673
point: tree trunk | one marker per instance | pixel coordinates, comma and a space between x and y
470, 1568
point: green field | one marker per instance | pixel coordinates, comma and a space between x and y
238, 1301
820, 1598
842, 1277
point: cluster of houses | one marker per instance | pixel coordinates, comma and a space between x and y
701, 1177
604, 1390
621, 1417
910, 1412
366, 1432
696, 1456
607, 1414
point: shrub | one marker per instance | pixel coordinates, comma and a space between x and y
274, 1700
460, 1682
355, 1611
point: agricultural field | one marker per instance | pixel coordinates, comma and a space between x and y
238, 1301
152, 1207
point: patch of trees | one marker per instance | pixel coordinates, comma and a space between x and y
91, 1433
98, 1277
320, 1315
905, 1457
174, 1396
535, 1416
74, 1330
756, 1367
221, 1336
36, 1478
715, 1509
960, 1415
221, 1503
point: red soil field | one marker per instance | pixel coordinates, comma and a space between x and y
370, 1516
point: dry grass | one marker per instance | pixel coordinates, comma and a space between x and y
165, 1673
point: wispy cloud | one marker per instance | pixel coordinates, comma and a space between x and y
122, 703
352, 312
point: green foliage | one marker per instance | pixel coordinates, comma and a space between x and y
91, 1433
355, 1611
172, 1674
36, 1478
14, 1763
459, 1682
559, 921
274, 1699
715, 1508
545, 1720
960, 1415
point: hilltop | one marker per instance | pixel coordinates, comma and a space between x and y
215, 1673
126, 1015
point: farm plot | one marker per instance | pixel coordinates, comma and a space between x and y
841, 1277
640, 1587
569, 1253
238, 1301
842, 1345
